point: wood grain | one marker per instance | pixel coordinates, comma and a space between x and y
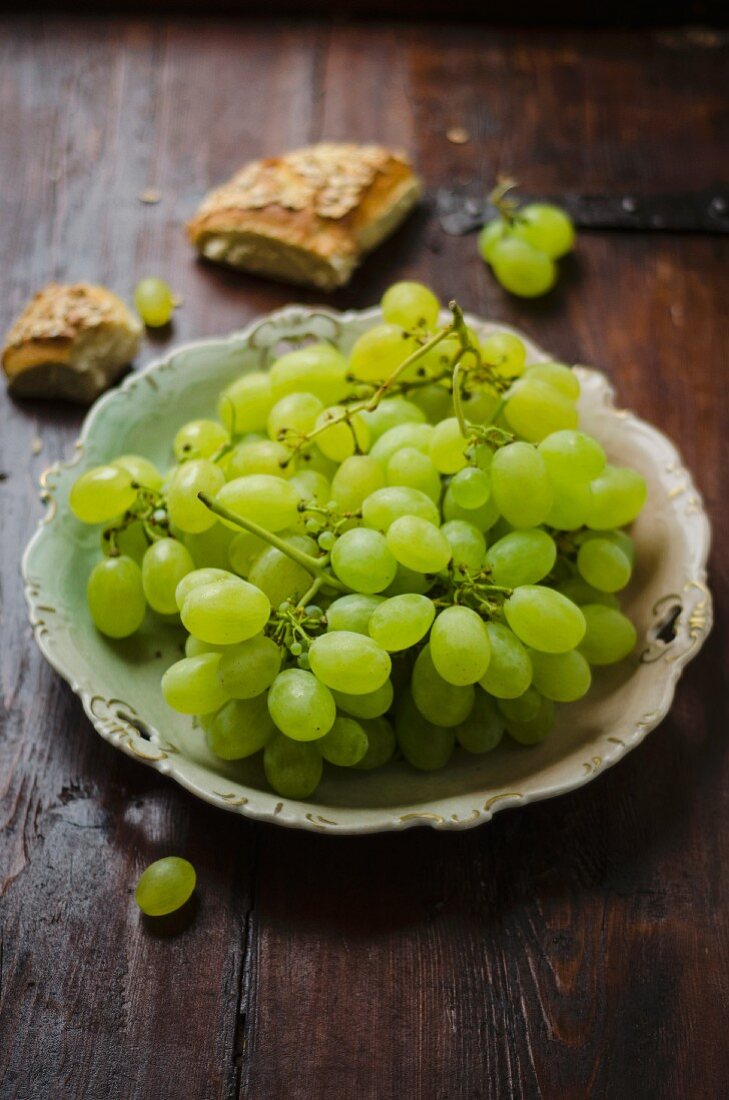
573, 949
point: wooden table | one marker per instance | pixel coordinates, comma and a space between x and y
577, 948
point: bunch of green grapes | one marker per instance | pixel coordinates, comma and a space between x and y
406, 546
522, 244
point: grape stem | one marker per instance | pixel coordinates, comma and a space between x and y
306, 561
370, 404
308, 596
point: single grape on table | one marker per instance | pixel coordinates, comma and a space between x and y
404, 547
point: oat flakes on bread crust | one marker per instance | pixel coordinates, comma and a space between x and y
309, 216
70, 342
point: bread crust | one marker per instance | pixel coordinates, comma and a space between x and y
70, 342
308, 216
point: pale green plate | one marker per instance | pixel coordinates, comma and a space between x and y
119, 682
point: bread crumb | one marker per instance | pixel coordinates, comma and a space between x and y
150, 196
458, 136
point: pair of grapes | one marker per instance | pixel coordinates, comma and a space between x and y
522, 246
407, 545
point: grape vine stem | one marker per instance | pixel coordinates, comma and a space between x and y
312, 565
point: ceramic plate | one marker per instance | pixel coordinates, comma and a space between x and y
118, 682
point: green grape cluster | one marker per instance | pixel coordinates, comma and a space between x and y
406, 545
522, 244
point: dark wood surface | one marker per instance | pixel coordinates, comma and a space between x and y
578, 948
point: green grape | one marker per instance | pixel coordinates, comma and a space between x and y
384, 506
604, 565
164, 565
424, 745
312, 485
263, 457
379, 352
546, 227
481, 406
618, 495
194, 647
535, 410
356, 478
345, 744
225, 612
141, 470
268, 501
210, 549
558, 376
155, 301
280, 577
294, 415
380, 744
319, 369
247, 669
372, 704
448, 446
349, 662
131, 541
531, 731
418, 545
509, 673
402, 435
482, 518
572, 456
468, 546
196, 579
411, 306
401, 621
520, 485
101, 494
492, 234
116, 597
544, 619
353, 612
301, 705
562, 677
292, 768
435, 401
343, 437
571, 504
183, 507
521, 557
407, 580
313, 459
471, 488
391, 413
609, 635
440, 702
522, 708
504, 353
618, 538
522, 269
243, 551
580, 592
199, 439
244, 406
412, 469
459, 646
165, 886
362, 560
191, 686
483, 729
240, 728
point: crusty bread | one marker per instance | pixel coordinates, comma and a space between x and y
309, 216
70, 342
